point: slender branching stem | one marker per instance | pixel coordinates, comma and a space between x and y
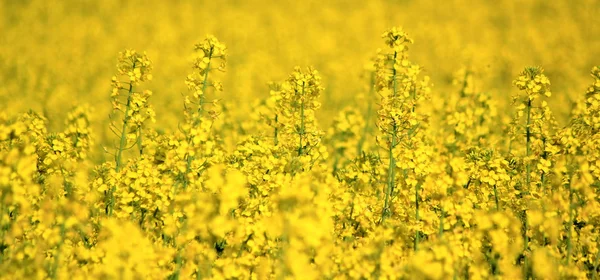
122, 144
417, 218
276, 131
571, 220
123, 139
392, 161
528, 184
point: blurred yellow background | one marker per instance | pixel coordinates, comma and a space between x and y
56, 54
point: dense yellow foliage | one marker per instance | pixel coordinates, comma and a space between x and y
301, 139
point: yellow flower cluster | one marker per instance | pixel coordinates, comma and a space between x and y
533, 82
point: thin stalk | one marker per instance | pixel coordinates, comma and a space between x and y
595, 267
496, 198
2, 231
66, 185
122, 144
336, 160
570, 225
198, 274
528, 183
142, 218
441, 229
301, 132
276, 132
414, 99
76, 139
544, 156
391, 177
57, 257
392, 166
179, 257
528, 143
285, 240
123, 140
417, 218
139, 142
204, 84
178, 264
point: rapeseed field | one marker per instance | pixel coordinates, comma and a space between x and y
300, 139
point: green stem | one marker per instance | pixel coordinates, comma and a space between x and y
2, 231
276, 132
123, 140
205, 83
139, 142
496, 198
54, 273
301, 132
75, 140
595, 267
544, 156
122, 144
414, 99
178, 264
392, 165
417, 218
528, 143
570, 225
66, 185
179, 257
528, 184
336, 159
391, 177
441, 230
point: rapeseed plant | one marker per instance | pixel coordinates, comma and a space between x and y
208, 54
401, 90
